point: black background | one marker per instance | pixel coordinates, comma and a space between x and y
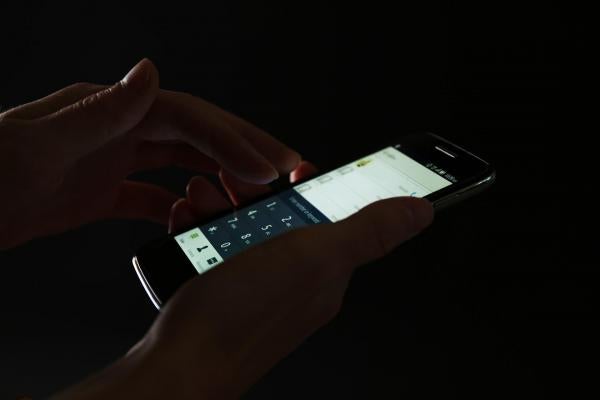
496, 299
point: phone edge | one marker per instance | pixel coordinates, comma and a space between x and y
149, 291
465, 192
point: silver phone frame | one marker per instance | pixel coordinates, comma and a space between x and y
464, 193
138, 270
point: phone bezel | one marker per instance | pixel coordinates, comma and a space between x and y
162, 267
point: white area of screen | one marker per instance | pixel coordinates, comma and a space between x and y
381, 175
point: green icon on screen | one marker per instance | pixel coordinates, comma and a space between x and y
194, 235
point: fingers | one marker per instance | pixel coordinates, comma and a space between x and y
281, 156
89, 116
203, 200
239, 191
98, 118
153, 155
304, 170
53, 102
209, 129
137, 200
181, 216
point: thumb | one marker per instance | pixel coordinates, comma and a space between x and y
378, 229
329, 250
105, 115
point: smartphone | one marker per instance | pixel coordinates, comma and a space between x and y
420, 165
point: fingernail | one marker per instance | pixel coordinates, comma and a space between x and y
266, 175
271, 174
422, 213
181, 215
138, 77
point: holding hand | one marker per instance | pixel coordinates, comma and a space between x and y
226, 328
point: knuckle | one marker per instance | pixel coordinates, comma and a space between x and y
91, 100
101, 106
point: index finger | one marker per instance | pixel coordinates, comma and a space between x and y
217, 134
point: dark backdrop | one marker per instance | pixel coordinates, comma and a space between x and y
496, 299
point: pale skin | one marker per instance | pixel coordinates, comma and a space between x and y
65, 160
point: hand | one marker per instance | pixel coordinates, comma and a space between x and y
66, 158
226, 328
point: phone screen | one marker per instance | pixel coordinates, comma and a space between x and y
327, 198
